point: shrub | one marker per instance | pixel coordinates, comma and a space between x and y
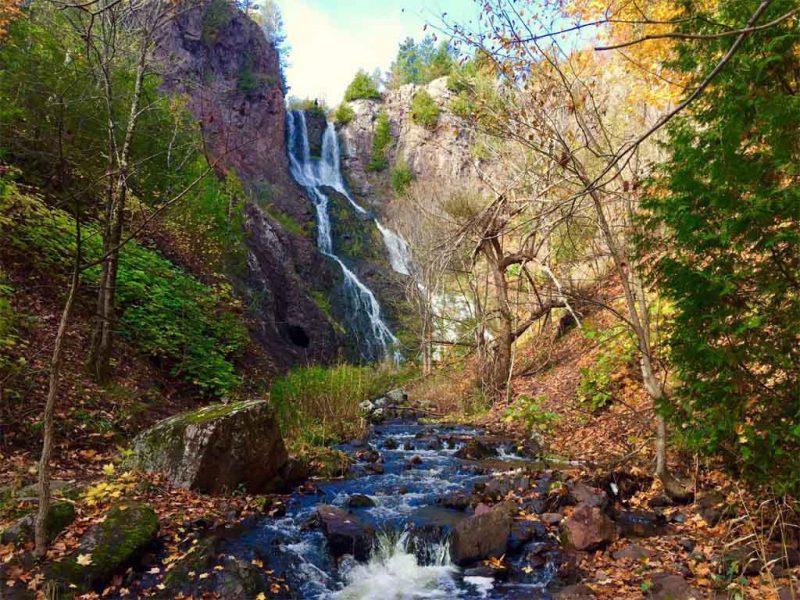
362, 88
600, 381
246, 80
380, 143
344, 114
314, 107
529, 412
462, 105
401, 176
424, 110
163, 310
218, 14
322, 403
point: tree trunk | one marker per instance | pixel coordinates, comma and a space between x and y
40, 529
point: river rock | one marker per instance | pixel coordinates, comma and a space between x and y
584, 494
640, 524
360, 501
588, 528
631, 552
475, 449
482, 536
216, 449
59, 516
667, 586
128, 530
390, 444
397, 396
345, 533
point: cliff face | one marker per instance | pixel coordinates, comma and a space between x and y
221, 61
443, 154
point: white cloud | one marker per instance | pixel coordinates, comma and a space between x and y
326, 53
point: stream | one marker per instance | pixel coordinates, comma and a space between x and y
410, 558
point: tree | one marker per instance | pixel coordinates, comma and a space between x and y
268, 15
726, 208
424, 110
362, 87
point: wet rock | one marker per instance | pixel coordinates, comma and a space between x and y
640, 524
456, 501
499, 573
59, 517
415, 460
584, 494
631, 552
687, 544
475, 449
588, 528
551, 518
481, 536
667, 586
344, 532
523, 532
216, 449
375, 468
390, 444
128, 530
370, 456
408, 446
360, 501
660, 501
578, 591
435, 443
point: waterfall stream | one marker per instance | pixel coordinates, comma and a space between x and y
375, 338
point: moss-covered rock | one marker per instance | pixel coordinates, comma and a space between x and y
59, 517
216, 449
127, 530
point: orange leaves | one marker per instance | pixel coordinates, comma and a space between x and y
9, 10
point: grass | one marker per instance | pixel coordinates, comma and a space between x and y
319, 406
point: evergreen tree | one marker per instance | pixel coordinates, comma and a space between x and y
728, 209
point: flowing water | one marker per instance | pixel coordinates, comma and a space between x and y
411, 557
375, 339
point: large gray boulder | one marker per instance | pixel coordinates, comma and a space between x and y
216, 449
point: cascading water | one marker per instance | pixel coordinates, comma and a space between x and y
375, 339
399, 252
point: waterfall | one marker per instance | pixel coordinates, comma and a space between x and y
378, 341
399, 252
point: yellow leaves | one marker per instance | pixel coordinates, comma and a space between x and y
109, 469
261, 596
84, 560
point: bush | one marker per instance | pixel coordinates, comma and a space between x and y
344, 114
600, 381
361, 88
462, 105
163, 310
401, 176
380, 143
314, 107
322, 403
529, 412
218, 14
424, 110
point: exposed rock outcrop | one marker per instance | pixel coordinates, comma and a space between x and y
220, 60
216, 449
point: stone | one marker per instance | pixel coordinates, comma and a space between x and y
551, 518
584, 494
475, 449
713, 509
366, 406
129, 528
216, 449
345, 533
375, 468
59, 516
667, 586
481, 536
390, 444
640, 524
408, 446
397, 396
360, 501
578, 591
523, 532
370, 456
631, 552
588, 528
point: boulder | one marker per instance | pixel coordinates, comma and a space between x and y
360, 501
344, 532
216, 449
128, 529
59, 517
398, 396
640, 524
475, 449
588, 528
584, 494
481, 536
667, 586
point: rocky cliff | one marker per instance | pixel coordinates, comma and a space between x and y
444, 153
221, 61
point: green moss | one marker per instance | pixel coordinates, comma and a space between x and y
217, 16
285, 221
213, 412
59, 517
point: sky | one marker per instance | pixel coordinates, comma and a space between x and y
331, 39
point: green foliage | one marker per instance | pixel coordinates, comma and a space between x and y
314, 107
218, 15
401, 176
362, 88
344, 114
246, 80
422, 62
165, 312
381, 140
728, 204
462, 105
600, 381
529, 412
285, 220
424, 110
323, 402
